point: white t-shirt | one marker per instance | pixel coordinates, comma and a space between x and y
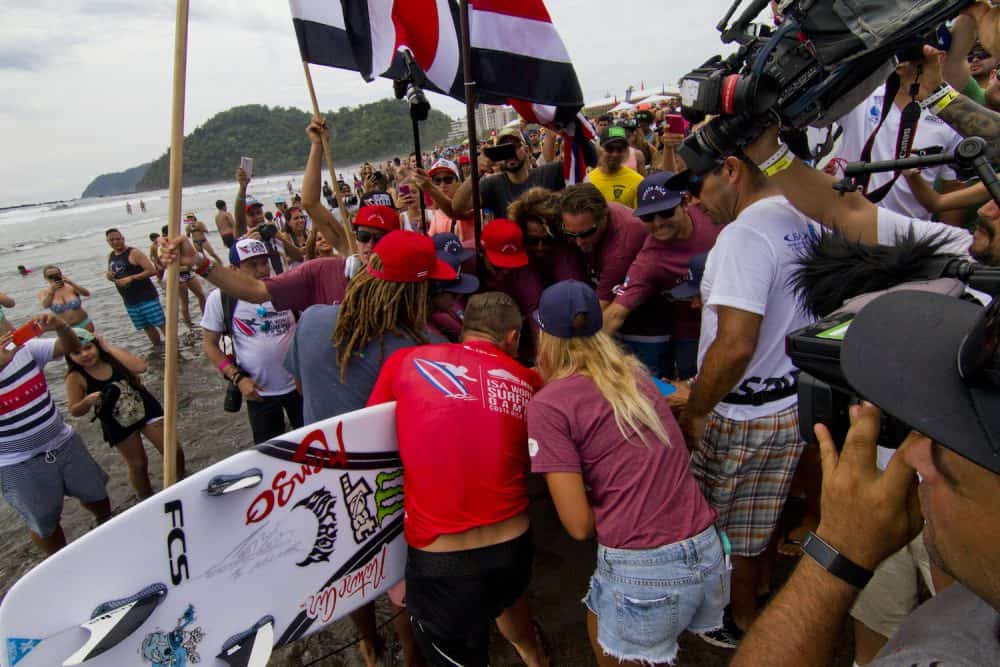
261, 340
858, 125
893, 226
748, 268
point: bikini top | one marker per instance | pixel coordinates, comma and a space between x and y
60, 308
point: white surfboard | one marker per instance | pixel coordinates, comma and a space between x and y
252, 553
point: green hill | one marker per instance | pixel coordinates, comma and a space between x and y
275, 137
118, 183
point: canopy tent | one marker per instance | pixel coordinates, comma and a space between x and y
623, 106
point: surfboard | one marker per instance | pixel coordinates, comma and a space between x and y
261, 549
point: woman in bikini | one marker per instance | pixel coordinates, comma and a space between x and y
65, 298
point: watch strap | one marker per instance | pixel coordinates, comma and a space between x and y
834, 562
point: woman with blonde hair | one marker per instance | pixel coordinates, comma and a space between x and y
615, 463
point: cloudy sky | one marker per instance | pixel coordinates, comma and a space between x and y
87, 83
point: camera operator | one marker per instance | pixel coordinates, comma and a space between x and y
942, 352
746, 384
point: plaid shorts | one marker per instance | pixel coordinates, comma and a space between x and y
744, 469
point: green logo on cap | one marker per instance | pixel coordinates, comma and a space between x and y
615, 132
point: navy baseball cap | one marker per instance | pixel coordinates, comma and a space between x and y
561, 303
692, 286
450, 250
655, 194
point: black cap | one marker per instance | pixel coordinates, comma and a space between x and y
902, 352
691, 287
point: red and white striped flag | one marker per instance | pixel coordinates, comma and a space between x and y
518, 56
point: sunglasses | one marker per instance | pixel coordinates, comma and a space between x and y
53, 277
666, 215
977, 55
586, 234
443, 180
616, 148
365, 236
538, 240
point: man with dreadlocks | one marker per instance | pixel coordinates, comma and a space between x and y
338, 351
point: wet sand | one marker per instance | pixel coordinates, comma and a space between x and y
209, 434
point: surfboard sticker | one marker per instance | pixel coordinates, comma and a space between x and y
177, 647
18, 647
322, 505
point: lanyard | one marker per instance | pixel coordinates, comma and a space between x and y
909, 118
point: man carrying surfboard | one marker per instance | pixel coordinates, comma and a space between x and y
41, 457
466, 498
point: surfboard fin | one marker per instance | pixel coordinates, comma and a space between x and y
221, 485
251, 648
113, 621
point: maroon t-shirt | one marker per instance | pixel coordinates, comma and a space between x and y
659, 267
561, 263
643, 495
609, 263
319, 281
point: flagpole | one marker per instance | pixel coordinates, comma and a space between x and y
173, 231
329, 164
470, 120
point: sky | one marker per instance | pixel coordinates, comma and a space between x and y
87, 83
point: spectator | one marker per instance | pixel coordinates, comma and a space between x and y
130, 270
261, 337
447, 296
746, 385
466, 519
65, 298
338, 350
106, 379
253, 224
41, 458
616, 182
678, 232
516, 177
537, 213
614, 461
225, 223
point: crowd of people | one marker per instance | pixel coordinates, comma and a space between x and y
624, 338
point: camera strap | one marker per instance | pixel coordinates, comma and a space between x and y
274, 256
908, 121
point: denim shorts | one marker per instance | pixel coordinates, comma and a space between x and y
645, 598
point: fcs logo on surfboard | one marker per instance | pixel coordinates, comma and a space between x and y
176, 543
446, 378
322, 504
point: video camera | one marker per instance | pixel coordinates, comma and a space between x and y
821, 61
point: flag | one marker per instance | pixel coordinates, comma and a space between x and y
517, 54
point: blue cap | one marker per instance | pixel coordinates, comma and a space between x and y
450, 250
692, 286
655, 194
562, 302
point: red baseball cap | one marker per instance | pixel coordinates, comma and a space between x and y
463, 159
504, 244
409, 257
377, 217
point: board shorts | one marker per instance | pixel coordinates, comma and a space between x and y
453, 597
146, 314
894, 591
35, 488
228, 240
745, 470
645, 598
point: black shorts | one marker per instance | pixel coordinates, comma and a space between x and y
453, 597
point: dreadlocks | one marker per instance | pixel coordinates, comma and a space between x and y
373, 306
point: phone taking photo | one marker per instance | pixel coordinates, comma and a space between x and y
246, 164
675, 123
501, 153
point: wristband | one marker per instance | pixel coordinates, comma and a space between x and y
205, 267
944, 102
224, 365
777, 156
939, 99
834, 562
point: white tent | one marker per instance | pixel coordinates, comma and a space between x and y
623, 106
602, 102
653, 99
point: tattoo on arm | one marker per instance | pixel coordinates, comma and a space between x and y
972, 120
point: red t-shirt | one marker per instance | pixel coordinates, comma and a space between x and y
608, 264
462, 435
319, 281
659, 267
643, 496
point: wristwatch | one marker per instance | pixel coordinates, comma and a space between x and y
833, 562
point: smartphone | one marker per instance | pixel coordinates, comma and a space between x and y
675, 123
246, 164
404, 189
501, 153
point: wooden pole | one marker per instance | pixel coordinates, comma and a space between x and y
470, 121
329, 164
173, 231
